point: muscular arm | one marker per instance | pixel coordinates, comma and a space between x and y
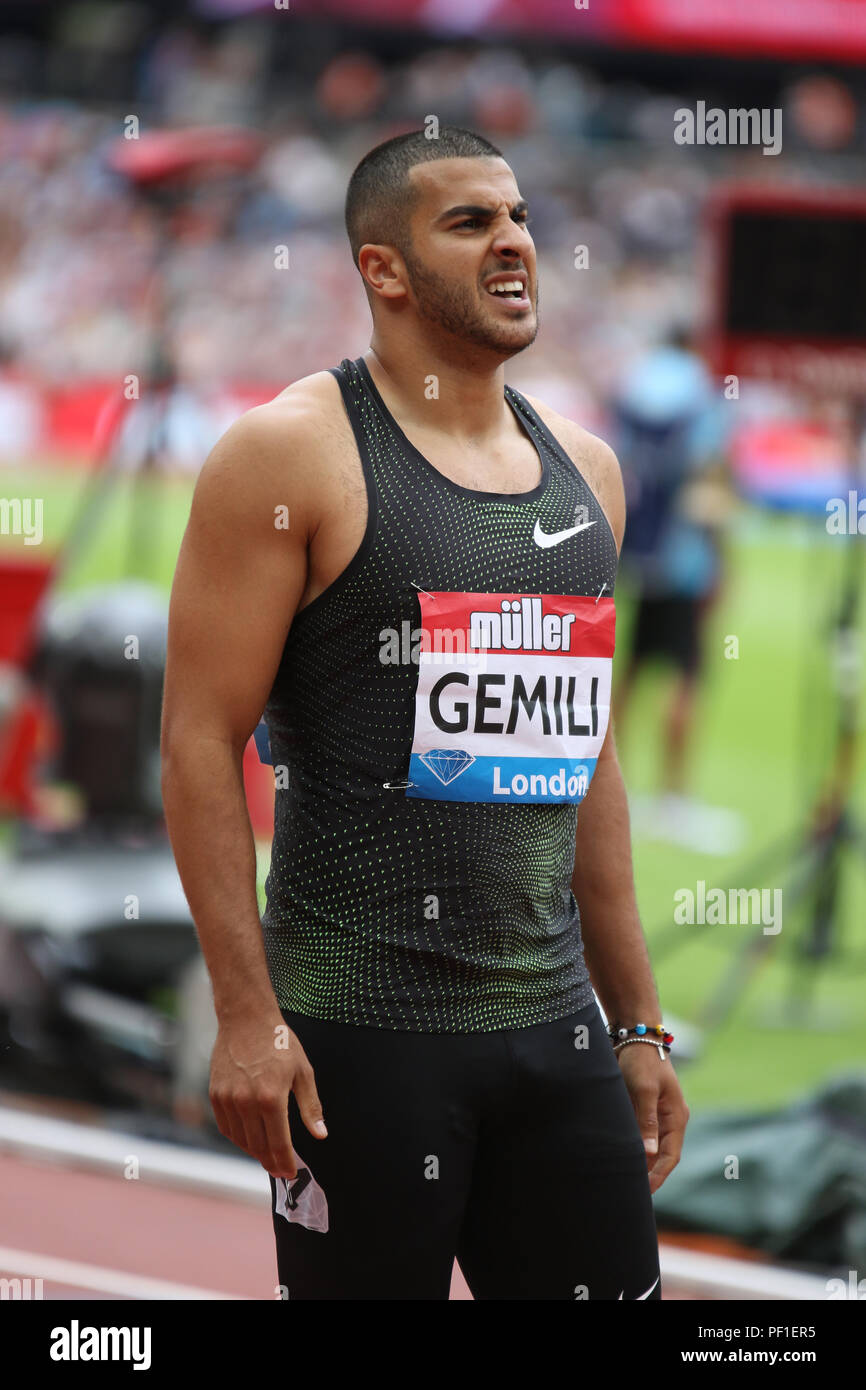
603, 884
618, 962
603, 880
238, 581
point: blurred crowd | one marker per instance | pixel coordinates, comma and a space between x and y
595, 157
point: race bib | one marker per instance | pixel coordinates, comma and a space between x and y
513, 696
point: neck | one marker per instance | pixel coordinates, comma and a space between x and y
468, 405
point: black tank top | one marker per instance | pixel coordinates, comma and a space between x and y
434, 723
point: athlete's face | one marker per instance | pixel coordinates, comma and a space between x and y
470, 226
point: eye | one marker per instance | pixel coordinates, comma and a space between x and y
522, 219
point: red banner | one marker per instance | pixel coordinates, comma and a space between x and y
816, 29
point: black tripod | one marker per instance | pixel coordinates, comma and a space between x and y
810, 860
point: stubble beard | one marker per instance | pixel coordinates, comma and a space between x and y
454, 308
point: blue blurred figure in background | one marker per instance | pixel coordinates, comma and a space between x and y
669, 427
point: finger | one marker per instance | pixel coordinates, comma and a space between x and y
219, 1115
670, 1149
249, 1120
280, 1159
228, 1122
307, 1097
646, 1109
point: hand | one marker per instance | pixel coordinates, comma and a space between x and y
250, 1081
662, 1113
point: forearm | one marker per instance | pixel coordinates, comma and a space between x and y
603, 884
212, 840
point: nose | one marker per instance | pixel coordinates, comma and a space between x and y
511, 241
509, 248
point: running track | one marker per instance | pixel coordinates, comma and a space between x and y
89, 1235
198, 1226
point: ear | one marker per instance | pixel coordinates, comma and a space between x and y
383, 270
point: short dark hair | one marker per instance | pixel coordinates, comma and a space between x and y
380, 199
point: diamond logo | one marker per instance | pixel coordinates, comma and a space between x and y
447, 763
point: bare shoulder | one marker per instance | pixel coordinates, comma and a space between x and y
594, 459
272, 454
316, 393
298, 415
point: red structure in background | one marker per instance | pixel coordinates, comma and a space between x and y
781, 239
78, 419
26, 725
260, 792
27, 728
809, 29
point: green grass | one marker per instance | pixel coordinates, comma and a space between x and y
764, 737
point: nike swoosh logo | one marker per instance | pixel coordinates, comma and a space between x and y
541, 538
648, 1292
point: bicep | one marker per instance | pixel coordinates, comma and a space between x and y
239, 578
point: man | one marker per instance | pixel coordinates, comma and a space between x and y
430, 639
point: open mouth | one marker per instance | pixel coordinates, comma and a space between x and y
507, 289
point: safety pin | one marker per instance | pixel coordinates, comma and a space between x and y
396, 786
601, 591
422, 591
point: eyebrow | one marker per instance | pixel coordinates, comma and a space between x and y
476, 210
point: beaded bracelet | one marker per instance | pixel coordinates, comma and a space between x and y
642, 1029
